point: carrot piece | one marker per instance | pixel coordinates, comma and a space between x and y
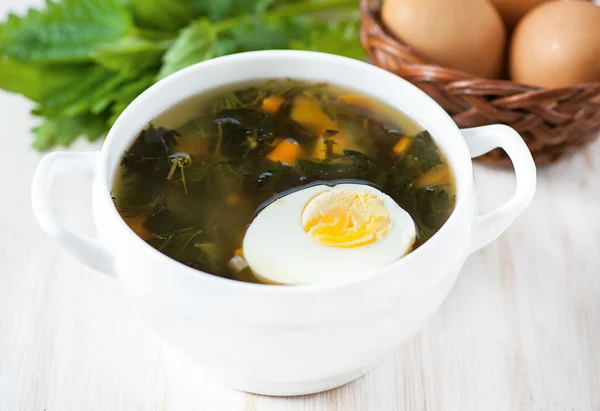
193, 145
286, 152
234, 200
341, 142
356, 100
436, 177
239, 253
320, 149
402, 145
275, 142
306, 111
272, 104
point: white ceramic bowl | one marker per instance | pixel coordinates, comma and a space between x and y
286, 340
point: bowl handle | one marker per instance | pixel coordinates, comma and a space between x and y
85, 249
488, 227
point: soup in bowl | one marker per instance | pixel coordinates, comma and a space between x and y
285, 218
284, 182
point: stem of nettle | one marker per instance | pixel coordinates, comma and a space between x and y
287, 11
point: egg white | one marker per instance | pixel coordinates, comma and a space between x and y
278, 250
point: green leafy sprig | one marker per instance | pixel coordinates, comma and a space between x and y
83, 61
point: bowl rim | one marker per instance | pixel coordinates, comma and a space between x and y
103, 175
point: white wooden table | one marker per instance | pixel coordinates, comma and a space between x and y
520, 330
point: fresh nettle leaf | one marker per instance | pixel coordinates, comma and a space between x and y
66, 31
86, 96
196, 43
128, 92
131, 54
218, 10
339, 38
91, 58
258, 34
63, 131
39, 82
169, 15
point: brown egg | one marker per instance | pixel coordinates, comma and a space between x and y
512, 10
466, 35
557, 44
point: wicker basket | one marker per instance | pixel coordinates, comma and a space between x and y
553, 122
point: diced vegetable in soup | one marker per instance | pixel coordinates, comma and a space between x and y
200, 174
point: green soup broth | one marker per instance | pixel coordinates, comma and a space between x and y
194, 179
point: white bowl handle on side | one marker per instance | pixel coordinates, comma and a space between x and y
87, 250
480, 140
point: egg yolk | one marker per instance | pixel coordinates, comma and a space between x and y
344, 219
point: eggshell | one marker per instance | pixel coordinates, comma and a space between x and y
466, 35
513, 10
557, 44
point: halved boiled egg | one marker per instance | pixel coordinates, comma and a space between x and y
326, 234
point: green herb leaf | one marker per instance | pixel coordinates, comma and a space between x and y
38, 81
82, 97
131, 54
66, 31
214, 175
423, 153
196, 43
63, 131
339, 38
212, 255
128, 92
218, 10
80, 58
258, 34
167, 15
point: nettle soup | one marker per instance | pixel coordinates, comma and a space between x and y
284, 182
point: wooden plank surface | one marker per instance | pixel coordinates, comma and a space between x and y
520, 330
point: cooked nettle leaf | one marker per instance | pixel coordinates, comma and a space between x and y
153, 143
436, 204
212, 255
423, 153
195, 44
134, 199
148, 159
241, 130
178, 244
65, 31
183, 233
227, 101
268, 178
353, 165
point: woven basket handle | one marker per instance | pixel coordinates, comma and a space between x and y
488, 227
